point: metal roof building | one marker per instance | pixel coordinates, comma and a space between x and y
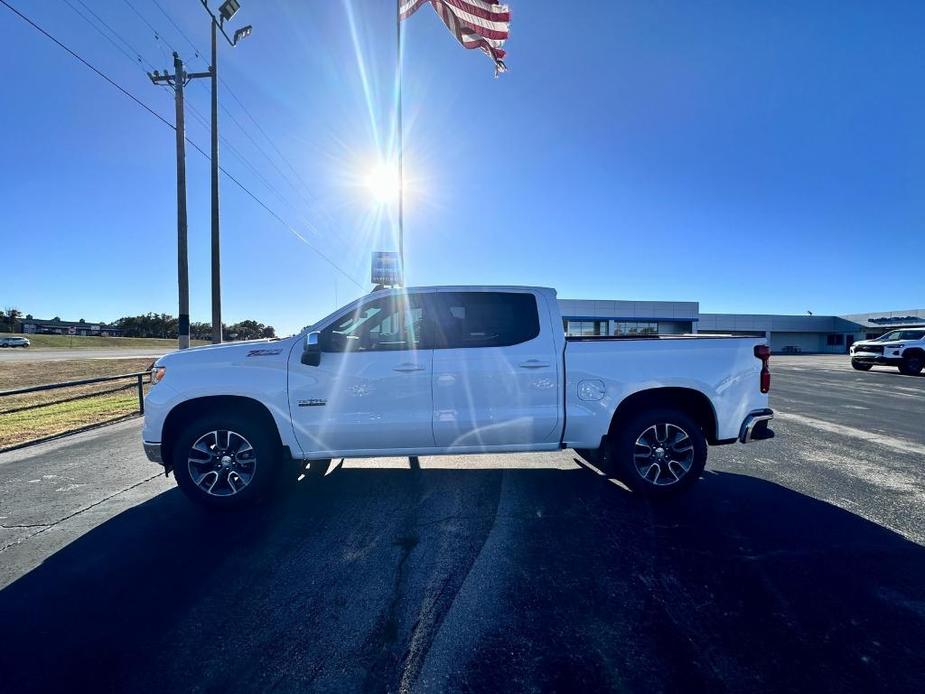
785, 333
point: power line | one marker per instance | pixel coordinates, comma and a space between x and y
114, 32
256, 123
250, 165
174, 25
98, 72
170, 125
102, 33
157, 34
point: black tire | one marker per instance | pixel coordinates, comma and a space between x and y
912, 365
860, 366
217, 437
655, 475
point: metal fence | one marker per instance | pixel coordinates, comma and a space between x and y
140, 377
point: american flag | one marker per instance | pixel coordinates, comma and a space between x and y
474, 23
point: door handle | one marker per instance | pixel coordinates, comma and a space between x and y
408, 368
533, 364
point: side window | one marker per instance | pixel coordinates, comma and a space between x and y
484, 319
394, 323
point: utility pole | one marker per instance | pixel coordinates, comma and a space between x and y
226, 11
178, 80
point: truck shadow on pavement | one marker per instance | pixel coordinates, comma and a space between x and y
446, 579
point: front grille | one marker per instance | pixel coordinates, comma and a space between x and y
876, 349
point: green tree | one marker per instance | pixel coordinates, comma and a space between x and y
13, 314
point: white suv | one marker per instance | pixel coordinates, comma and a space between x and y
14, 342
904, 349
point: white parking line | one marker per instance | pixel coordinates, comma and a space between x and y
892, 442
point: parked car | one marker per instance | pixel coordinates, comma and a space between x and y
451, 370
904, 349
791, 349
14, 342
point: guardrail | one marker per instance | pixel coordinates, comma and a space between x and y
138, 376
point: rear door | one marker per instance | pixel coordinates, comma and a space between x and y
372, 388
496, 372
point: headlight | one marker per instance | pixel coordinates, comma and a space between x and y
158, 373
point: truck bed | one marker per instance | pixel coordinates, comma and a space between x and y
721, 367
596, 338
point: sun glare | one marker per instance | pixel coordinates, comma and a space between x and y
382, 182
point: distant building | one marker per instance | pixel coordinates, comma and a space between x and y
831, 334
38, 326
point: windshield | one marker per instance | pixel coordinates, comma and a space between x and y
902, 335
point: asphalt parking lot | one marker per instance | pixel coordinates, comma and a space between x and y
796, 564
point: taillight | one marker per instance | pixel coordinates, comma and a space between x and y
763, 352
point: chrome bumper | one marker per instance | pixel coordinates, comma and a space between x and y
755, 426
153, 451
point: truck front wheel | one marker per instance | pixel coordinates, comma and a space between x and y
912, 364
659, 452
225, 460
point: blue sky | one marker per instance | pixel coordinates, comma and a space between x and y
756, 157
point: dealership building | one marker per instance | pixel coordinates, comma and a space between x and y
811, 334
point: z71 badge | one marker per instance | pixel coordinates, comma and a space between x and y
263, 352
313, 402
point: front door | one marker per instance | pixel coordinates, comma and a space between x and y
496, 373
372, 388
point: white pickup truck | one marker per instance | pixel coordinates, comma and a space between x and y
451, 370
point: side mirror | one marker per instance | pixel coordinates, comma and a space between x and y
311, 352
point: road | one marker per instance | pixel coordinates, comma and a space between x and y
8, 355
796, 564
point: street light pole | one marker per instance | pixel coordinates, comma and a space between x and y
401, 149
216, 238
226, 11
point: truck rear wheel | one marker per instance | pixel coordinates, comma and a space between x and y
659, 452
225, 460
860, 365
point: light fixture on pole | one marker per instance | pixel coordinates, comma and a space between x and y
242, 33
229, 9
226, 11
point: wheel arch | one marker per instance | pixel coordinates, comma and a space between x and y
187, 410
692, 402
914, 352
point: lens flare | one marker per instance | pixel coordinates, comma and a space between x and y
383, 183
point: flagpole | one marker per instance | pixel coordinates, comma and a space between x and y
401, 147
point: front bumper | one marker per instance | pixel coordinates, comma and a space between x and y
755, 426
872, 358
153, 451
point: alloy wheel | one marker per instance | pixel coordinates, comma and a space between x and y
222, 462
663, 454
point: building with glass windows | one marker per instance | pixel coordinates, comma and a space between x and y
809, 334
593, 317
